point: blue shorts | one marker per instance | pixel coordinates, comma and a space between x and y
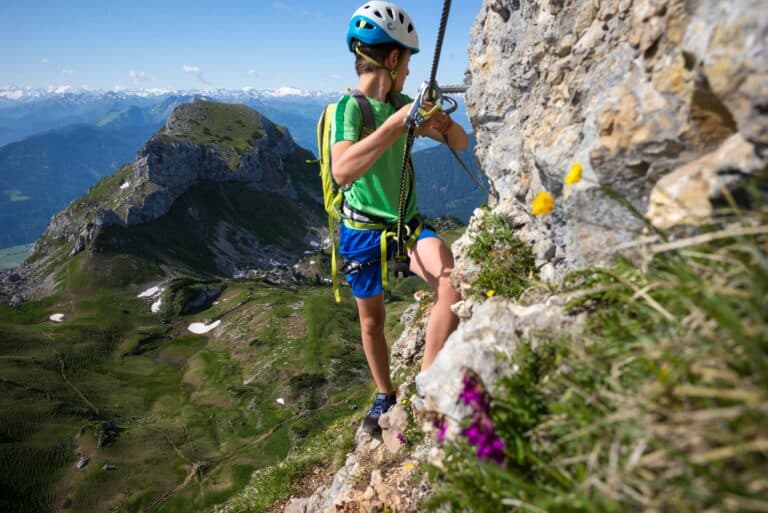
364, 247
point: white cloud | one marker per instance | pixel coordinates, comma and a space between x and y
335, 76
66, 71
318, 15
253, 73
280, 5
15, 195
195, 70
139, 76
44, 61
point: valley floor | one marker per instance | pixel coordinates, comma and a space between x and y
161, 419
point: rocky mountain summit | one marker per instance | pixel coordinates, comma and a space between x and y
205, 141
204, 190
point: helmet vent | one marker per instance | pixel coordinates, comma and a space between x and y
378, 14
410, 28
402, 18
391, 14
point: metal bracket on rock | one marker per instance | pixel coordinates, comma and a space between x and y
428, 93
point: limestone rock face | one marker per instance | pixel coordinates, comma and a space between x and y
686, 195
631, 90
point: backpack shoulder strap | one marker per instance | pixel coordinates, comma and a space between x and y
396, 99
369, 121
332, 195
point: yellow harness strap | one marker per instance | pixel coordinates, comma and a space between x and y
386, 233
334, 273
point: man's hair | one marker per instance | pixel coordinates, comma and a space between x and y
376, 52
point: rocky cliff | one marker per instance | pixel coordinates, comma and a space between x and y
656, 100
662, 104
209, 185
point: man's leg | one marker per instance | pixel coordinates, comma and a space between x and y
371, 311
433, 262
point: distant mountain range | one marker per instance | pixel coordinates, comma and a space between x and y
82, 136
180, 263
24, 112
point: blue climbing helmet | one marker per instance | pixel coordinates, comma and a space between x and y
380, 22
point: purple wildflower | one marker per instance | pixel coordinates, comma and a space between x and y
483, 436
401, 438
473, 394
471, 397
472, 434
481, 432
492, 448
441, 431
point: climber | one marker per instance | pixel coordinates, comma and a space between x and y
368, 167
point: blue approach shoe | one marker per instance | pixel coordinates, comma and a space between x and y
382, 404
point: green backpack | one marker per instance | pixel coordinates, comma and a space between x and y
333, 195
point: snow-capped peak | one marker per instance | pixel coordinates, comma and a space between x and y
11, 93
287, 91
60, 89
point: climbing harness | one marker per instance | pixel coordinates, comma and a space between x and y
339, 210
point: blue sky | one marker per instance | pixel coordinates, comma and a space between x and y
264, 44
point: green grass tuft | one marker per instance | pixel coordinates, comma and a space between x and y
507, 264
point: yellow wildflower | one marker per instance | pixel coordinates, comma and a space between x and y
574, 175
409, 466
543, 204
490, 293
404, 401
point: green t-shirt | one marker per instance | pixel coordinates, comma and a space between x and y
377, 192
